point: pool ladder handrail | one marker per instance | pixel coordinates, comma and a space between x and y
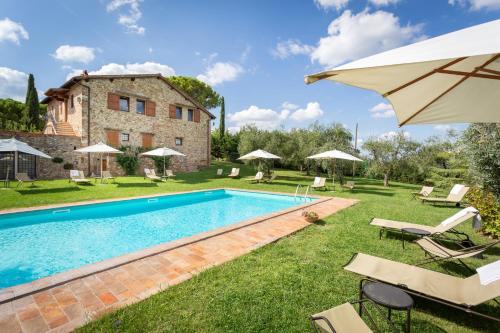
297, 192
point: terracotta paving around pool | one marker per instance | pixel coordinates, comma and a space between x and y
64, 307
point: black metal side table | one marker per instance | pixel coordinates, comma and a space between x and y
389, 297
413, 231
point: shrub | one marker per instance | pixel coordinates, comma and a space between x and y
488, 207
57, 160
68, 166
129, 160
159, 163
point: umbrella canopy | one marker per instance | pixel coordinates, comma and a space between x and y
99, 148
334, 154
163, 151
7, 145
447, 79
259, 154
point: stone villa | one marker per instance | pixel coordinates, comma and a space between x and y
141, 110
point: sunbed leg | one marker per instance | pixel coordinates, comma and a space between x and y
361, 297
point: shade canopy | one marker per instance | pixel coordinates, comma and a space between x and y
99, 148
259, 154
13, 145
163, 151
453, 78
334, 154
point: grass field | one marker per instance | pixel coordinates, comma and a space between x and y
277, 287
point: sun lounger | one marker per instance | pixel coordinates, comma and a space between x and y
169, 173
424, 192
437, 252
151, 175
345, 319
22, 178
219, 172
106, 175
319, 183
459, 293
446, 226
235, 172
271, 179
257, 178
78, 177
455, 196
349, 185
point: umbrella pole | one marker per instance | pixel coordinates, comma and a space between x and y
101, 168
16, 164
164, 166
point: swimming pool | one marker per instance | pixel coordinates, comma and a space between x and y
41, 243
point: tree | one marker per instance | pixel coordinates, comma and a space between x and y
32, 106
222, 125
482, 148
200, 91
13, 116
390, 154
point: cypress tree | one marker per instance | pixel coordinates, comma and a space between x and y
222, 125
32, 108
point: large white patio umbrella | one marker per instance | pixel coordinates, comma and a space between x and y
334, 155
99, 148
260, 155
16, 146
163, 151
453, 78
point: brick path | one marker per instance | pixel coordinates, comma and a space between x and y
67, 306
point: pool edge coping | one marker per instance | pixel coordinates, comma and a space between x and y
26, 289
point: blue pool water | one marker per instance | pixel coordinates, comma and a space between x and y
41, 243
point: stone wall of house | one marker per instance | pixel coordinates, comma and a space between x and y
54, 146
195, 135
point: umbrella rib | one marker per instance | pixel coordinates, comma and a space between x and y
495, 57
422, 77
487, 70
483, 76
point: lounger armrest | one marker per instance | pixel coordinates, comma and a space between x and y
317, 318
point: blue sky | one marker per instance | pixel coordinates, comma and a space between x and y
255, 53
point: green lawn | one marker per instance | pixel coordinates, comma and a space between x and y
277, 287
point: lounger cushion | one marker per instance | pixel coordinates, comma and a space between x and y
489, 273
452, 289
400, 225
343, 318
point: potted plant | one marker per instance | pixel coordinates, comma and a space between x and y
310, 216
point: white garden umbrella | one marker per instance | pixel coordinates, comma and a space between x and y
163, 151
453, 78
99, 148
16, 146
333, 155
260, 155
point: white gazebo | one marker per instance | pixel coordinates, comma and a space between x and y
15, 146
162, 152
453, 78
101, 149
334, 155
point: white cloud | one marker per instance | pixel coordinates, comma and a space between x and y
443, 128
327, 4
312, 111
289, 106
129, 20
262, 118
352, 36
477, 4
12, 31
135, 68
291, 47
391, 134
13, 83
381, 3
69, 53
221, 72
382, 110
